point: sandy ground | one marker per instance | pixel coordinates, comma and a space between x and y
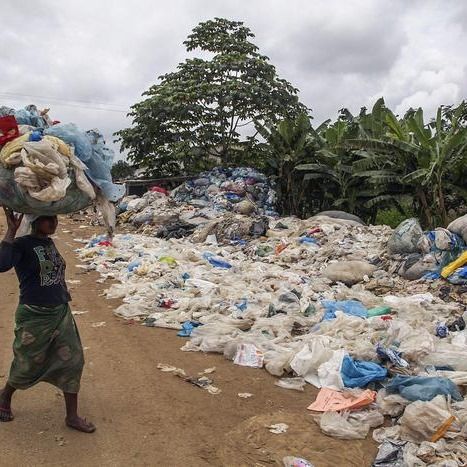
145, 416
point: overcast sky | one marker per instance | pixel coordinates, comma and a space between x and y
81, 56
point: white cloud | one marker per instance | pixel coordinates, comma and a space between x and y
339, 53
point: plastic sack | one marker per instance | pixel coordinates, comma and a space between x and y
349, 307
425, 421
422, 388
12, 196
340, 426
440, 240
348, 272
405, 237
459, 227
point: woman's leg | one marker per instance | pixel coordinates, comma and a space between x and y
5, 403
73, 420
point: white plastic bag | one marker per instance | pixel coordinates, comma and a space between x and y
340, 426
309, 359
426, 421
296, 384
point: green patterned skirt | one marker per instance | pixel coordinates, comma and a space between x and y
47, 348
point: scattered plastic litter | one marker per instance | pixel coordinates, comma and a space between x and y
244, 395
278, 428
291, 461
99, 324
270, 304
297, 384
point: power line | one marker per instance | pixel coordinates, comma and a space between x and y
70, 103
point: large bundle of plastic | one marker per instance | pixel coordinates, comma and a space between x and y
240, 189
48, 168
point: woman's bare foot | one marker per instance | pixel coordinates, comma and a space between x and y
5, 409
80, 424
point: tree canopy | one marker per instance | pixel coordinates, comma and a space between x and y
207, 112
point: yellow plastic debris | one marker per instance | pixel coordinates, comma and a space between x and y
456, 264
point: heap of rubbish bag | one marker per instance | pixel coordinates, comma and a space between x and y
373, 317
49, 168
240, 192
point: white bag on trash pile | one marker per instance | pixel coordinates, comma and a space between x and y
391, 404
426, 421
459, 227
319, 364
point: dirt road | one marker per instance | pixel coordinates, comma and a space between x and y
146, 417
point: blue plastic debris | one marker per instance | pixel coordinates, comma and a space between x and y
242, 305
358, 374
422, 388
187, 328
216, 261
133, 265
387, 354
307, 241
349, 307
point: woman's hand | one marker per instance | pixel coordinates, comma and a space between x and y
13, 221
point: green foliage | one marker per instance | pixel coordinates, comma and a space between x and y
122, 170
204, 113
225, 105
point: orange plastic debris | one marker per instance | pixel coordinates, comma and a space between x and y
330, 400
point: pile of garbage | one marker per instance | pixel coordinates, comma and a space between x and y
243, 190
440, 253
48, 168
243, 193
323, 301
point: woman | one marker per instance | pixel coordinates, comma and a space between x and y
47, 345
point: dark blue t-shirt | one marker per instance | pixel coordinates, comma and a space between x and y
40, 270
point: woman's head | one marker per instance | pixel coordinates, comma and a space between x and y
44, 225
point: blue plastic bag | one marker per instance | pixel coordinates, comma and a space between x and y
216, 261
357, 374
91, 150
187, 328
422, 388
349, 307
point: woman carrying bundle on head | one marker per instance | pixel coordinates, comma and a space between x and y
47, 346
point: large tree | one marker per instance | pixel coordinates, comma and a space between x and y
205, 112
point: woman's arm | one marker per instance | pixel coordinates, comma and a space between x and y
9, 255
